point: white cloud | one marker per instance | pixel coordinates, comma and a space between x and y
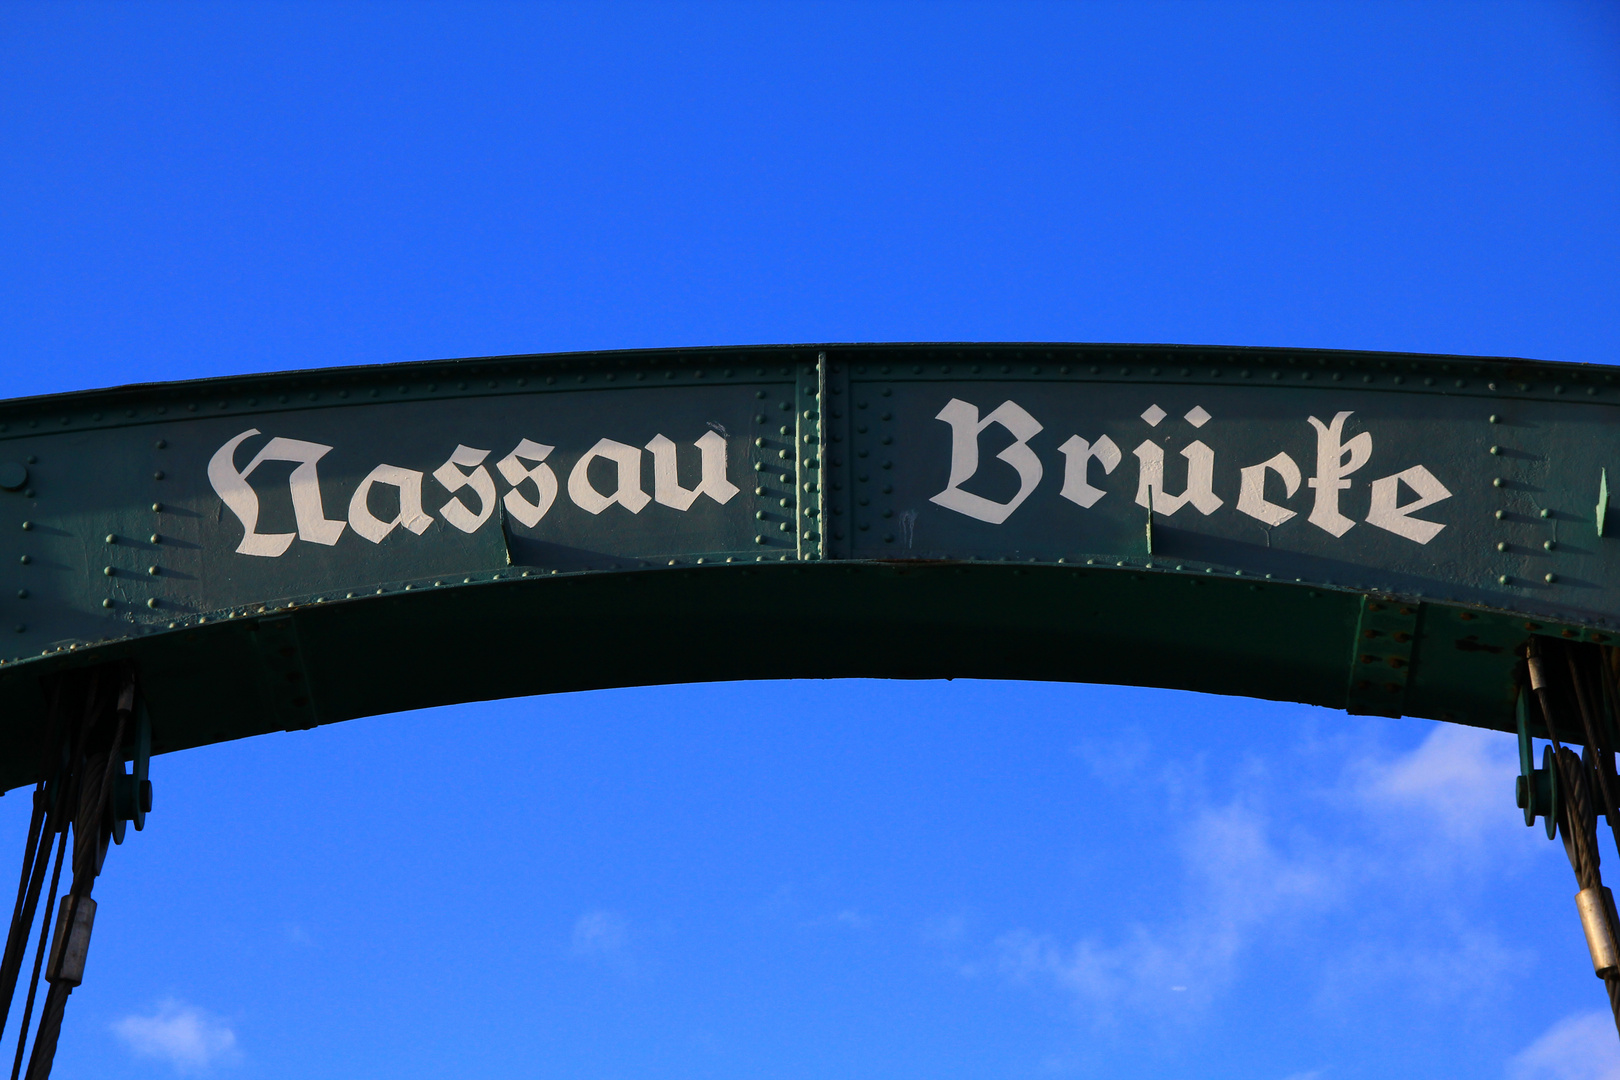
187, 1038
1404, 829
599, 933
1581, 1047
1459, 782
1242, 886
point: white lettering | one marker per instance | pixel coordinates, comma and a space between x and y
453, 479
965, 429
627, 486
1200, 490
1078, 452
304, 483
545, 481
667, 488
1336, 459
1252, 492
1387, 514
410, 515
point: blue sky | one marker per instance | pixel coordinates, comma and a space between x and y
862, 879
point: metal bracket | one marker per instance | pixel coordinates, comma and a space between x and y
1386, 633
283, 680
1535, 790
132, 791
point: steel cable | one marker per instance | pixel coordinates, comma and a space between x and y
39, 958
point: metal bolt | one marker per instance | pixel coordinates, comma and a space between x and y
156, 539
1504, 579
1496, 449
27, 525
1500, 514
152, 602
1548, 544
1498, 482
112, 538
1546, 513
109, 571
1551, 578
1501, 545
157, 508
152, 570
107, 603
1495, 419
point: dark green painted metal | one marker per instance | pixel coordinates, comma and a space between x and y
858, 541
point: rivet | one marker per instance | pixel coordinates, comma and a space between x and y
152, 602
1504, 579
112, 539
1546, 513
1502, 545
1548, 544
158, 475
26, 559
107, 603
1500, 514
109, 571
1551, 578
1498, 482
156, 539
1495, 419
22, 594
1496, 449
27, 526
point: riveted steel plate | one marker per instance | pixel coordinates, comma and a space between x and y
321, 545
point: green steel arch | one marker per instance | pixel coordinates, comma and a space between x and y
1375, 532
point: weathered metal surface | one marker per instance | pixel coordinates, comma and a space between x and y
1376, 532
